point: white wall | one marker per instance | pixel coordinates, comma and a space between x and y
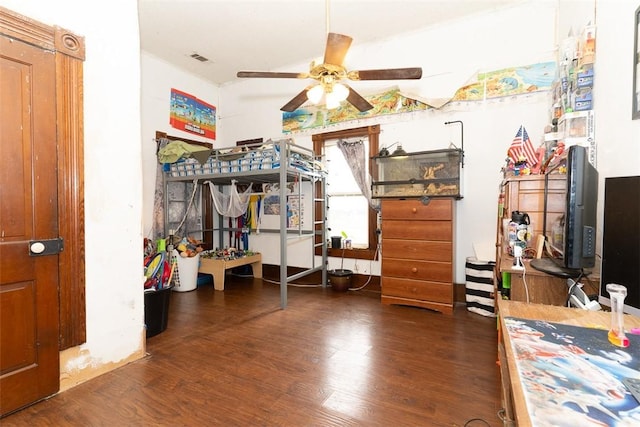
113, 178
453, 53
159, 78
618, 136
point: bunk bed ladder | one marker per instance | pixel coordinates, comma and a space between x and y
284, 277
322, 222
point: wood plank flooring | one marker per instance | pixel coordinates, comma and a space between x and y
234, 358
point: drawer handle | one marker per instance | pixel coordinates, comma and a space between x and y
414, 210
414, 270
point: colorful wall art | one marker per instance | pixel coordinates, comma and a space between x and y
192, 115
507, 82
386, 103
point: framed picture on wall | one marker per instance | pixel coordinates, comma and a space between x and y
635, 114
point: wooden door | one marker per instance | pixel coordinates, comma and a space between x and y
29, 307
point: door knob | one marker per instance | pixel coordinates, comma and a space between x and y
37, 247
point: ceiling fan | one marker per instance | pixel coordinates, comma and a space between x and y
331, 75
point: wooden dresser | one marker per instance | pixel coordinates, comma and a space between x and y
417, 253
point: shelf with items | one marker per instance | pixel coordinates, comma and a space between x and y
572, 97
525, 194
414, 175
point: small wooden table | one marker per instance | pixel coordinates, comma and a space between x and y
217, 267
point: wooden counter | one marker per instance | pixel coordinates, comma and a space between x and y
513, 394
218, 267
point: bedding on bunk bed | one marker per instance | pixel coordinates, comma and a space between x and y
265, 156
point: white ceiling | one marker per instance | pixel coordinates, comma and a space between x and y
267, 35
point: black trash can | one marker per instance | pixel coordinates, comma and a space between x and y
156, 310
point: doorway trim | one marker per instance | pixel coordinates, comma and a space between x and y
69, 50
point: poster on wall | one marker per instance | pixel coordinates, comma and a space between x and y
497, 84
272, 205
192, 115
385, 103
293, 203
295, 211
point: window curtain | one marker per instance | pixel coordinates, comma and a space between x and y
355, 154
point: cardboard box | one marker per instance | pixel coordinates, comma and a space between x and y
577, 126
582, 99
585, 77
587, 53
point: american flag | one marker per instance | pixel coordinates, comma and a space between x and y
522, 147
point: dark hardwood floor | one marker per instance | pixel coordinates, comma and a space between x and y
234, 358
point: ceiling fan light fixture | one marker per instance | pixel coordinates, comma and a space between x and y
331, 101
315, 94
340, 91
335, 95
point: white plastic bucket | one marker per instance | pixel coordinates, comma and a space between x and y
187, 272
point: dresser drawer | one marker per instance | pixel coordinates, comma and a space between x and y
417, 270
415, 210
418, 290
417, 230
417, 249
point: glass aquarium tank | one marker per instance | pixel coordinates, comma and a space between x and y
427, 173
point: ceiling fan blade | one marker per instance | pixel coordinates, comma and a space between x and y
337, 47
358, 101
387, 74
272, 75
296, 101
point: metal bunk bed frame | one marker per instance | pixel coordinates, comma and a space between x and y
282, 175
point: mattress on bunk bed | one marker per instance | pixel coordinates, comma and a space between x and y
266, 156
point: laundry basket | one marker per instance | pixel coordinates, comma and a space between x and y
187, 272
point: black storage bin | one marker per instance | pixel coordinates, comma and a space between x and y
156, 310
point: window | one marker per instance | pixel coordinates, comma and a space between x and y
346, 201
348, 208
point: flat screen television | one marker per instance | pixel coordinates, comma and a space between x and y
621, 240
570, 238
